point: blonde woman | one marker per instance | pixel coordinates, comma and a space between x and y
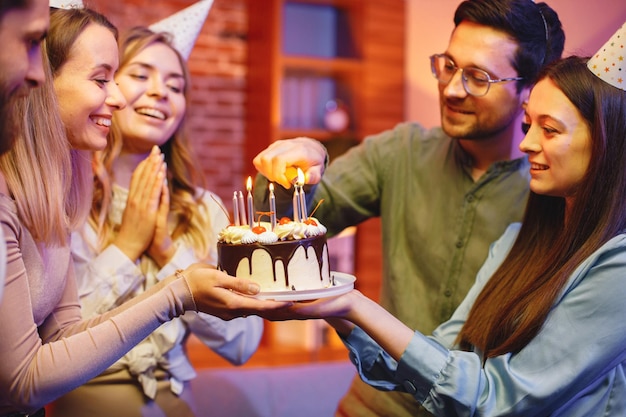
139, 234
47, 349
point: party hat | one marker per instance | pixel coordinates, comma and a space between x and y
185, 26
67, 4
608, 62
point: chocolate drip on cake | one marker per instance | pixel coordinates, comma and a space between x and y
230, 255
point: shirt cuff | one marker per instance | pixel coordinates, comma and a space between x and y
417, 375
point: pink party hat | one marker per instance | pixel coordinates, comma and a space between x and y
608, 62
185, 25
67, 4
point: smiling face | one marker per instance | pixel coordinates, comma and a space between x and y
153, 84
86, 90
558, 141
467, 117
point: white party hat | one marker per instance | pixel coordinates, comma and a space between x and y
608, 62
67, 4
185, 26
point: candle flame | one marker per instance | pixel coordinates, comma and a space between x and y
249, 184
271, 187
300, 181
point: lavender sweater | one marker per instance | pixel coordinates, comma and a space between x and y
46, 349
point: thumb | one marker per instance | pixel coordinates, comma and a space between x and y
314, 175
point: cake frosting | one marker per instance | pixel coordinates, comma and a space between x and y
291, 257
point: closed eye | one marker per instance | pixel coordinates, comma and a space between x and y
139, 77
549, 131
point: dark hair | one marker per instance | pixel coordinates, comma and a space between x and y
536, 28
6, 5
65, 27
515, 302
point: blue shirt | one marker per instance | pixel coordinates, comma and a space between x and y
573, 367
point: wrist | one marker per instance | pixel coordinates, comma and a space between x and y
179, 274
162, 256
133, 253
357, 307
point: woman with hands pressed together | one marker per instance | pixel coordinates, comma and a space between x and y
47, 348
542, 330
150, 218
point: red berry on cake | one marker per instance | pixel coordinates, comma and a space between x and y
259, 229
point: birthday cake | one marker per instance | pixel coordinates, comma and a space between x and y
291, 257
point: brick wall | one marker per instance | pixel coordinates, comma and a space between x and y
218, 69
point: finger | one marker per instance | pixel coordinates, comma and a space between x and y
164, 206
143, 177
152, 187
272, 166
154, 177
313, 175
161, 246
279, 160
146, 164
135, 179
159, 186
240, 285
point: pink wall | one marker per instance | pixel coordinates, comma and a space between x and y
588, 24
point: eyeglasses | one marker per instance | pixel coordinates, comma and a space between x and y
476, 82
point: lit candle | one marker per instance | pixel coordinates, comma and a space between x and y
296, 204
303, 211
250, 203
272, 206
235, 209
242, 210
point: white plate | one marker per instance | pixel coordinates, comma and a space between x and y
343, 284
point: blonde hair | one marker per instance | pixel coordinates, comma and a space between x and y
39, 167
184, 180
47, 179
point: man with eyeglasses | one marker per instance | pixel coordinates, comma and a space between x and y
444, 194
